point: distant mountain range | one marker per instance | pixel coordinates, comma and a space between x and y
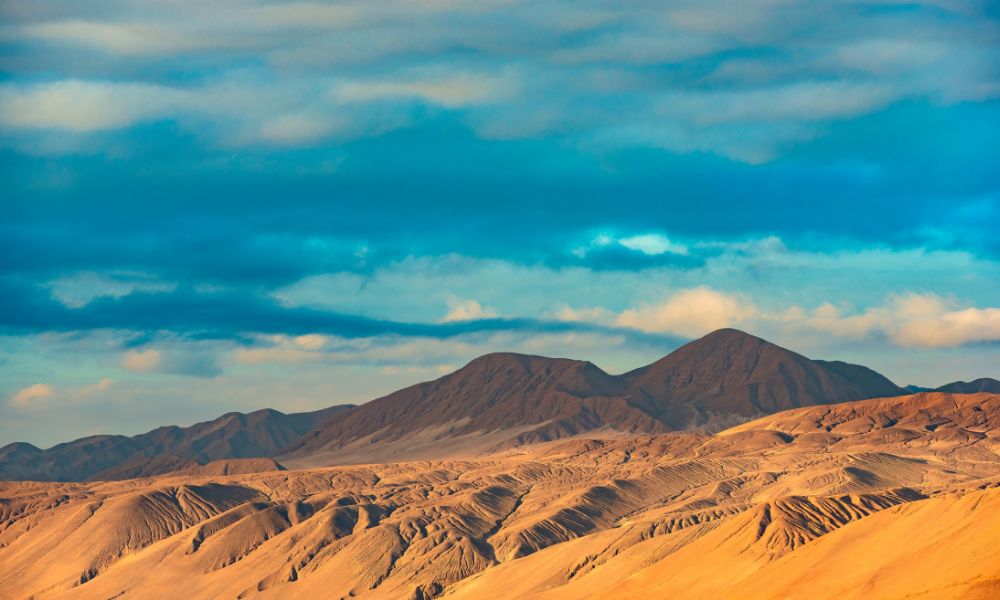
233, 435
983, 384
720, 380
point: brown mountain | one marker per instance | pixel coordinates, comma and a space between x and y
513, 393
233, 435
723, 378
729, 373
983, 384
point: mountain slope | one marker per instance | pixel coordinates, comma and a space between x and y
233, 435
983, 384
548, 397
721, 379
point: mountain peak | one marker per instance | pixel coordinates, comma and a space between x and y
731, 372
729, 334
527, 363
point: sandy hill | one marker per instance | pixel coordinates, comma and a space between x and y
721, 379
177, 465
234, 435
884, 498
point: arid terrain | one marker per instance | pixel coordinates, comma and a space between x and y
890, 497
883, 498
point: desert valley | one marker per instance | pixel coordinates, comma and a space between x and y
731, 468
502, 300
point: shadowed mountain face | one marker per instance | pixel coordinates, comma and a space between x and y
721, 379
983, 384
233, 435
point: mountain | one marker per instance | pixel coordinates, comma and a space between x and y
983, 384
540, 397
729, 373
496, 401
233, 435
721, 379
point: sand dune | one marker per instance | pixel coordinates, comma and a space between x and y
809, 503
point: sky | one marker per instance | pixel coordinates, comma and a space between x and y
219, 205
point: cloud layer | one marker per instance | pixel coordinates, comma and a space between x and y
747, 82
238, 204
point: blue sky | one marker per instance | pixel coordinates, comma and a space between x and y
214, 206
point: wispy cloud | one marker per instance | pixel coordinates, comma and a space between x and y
688, 77
40, 396
26, 397
86, 106
690, 312
909, 319
467, 310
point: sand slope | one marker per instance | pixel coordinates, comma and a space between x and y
885, 498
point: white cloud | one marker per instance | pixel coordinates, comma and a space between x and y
103, 385
467, 310
193, 359
86, 106
282, 354
277, 349
142, 361
296, 129
825, 65
944, 328
590, 314
30, 396
311, 341
135, 38
653, 244
798, 101
910, 320
83, 287
691, 312
650, 244
450, 89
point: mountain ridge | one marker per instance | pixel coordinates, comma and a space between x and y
983, 384
498, 400
233, 435
721, 379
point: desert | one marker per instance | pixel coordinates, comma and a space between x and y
887, 497
500, 300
